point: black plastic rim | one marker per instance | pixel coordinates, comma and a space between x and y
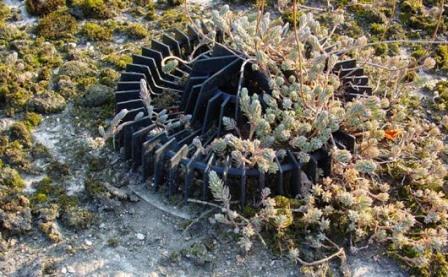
208, 94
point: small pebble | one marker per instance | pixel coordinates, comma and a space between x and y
140, 236
70, 269
88, 242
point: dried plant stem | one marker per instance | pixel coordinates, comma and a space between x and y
174, 58
324, 260
439, 20
311, 8
394, 69
259, 16
240, 83
394, 7
296, 36
197, 219
328, 38
237, 214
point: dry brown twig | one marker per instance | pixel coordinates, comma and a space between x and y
237, 214
197, 219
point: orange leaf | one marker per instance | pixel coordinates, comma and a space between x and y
390, 134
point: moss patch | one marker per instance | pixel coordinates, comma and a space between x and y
57, 25
136, 31
19, 132
32, 120
98, 9
77, 218
172, 18
39, 7
442, 57
11, 178
46, 103
441, 101
14, 154
118, 60
96, 32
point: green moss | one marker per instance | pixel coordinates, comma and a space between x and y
45, 74
93, 117
425, 23
136, 31
366, 15
249, 211
98, 9
378, 29
15, 213
440, 264
51, 231
197, 252
288, 16
441, 102
395, 31
57, 25
5, 11
11, 178
75, 76
410, 76
94, 188
10, 32
96, 32
32, 120
284, 207
173, 3
67, 202
442, 57
39, 151
39, 7
411, 6
14, 154
150, 11
15, 99
46, 103
77, 218
45, 186
48, 192
412, 15
394, 49
437, 267
57, 170
86, 82
46, 53
381, 49
172, 18
419, 51
143, 3
351, 29
109, 77
411, 101
19, 132
76, 69
118, 60
113, 242
39, 198
96, 164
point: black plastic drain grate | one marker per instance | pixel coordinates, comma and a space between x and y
169, 156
